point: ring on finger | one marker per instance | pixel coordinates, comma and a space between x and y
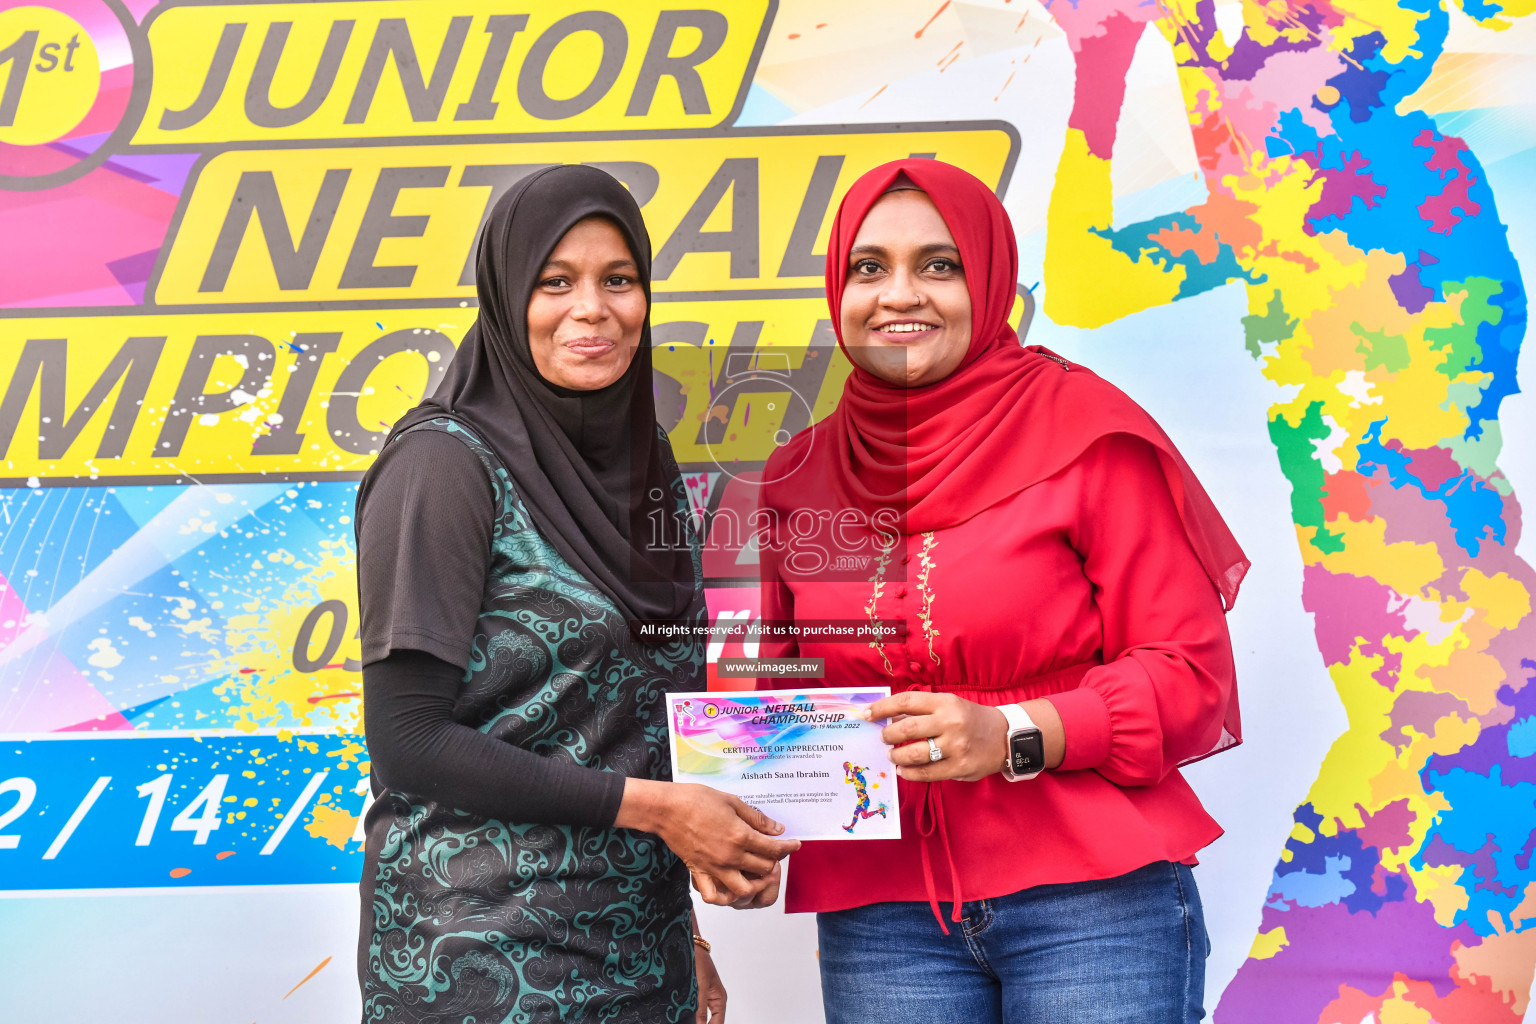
934, 753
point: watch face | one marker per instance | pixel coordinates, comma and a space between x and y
1027, 751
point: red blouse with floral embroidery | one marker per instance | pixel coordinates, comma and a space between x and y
1081, 589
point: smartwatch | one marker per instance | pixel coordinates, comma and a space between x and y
1026, 745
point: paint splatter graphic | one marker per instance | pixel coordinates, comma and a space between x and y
1385, 300
225, 615
241, 600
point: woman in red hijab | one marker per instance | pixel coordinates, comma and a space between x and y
1057, 579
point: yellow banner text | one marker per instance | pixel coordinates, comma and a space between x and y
726, 214
419, 68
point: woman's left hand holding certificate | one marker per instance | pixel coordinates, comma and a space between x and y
728, 845
972, 737
766, 894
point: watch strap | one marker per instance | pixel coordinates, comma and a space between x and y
1018, 721
1017, 717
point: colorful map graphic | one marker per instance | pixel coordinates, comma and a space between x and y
1385, 300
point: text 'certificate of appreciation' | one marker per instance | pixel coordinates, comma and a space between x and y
800, 756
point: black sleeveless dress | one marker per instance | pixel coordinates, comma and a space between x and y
469, 919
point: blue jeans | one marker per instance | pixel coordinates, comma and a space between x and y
1131, 948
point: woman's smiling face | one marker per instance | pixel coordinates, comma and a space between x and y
587, 310
906, 312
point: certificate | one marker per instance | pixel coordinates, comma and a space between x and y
799, 756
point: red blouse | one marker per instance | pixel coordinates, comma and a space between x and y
1082, 589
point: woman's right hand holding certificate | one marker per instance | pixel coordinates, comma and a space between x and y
727, 844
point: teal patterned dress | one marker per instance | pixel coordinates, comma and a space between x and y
468, 919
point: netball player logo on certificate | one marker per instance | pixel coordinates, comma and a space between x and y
803, 757
857, 776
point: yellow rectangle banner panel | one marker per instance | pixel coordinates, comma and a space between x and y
730, 214
233, 73
306, 394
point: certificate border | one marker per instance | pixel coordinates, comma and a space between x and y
727, 695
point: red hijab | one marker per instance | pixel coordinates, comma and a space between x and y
1007, 418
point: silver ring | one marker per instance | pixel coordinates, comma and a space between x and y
934, 753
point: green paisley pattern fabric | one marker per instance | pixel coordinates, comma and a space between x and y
468, 920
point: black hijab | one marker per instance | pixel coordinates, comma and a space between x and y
590, 466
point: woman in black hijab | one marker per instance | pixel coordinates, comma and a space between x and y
527, 857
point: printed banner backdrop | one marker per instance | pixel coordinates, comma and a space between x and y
235, 243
